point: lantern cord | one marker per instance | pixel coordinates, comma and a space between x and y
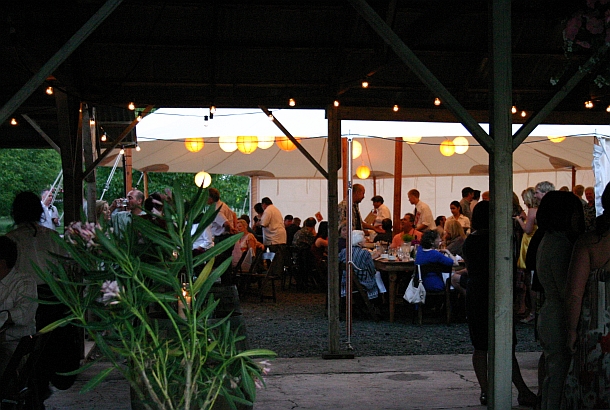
110, 176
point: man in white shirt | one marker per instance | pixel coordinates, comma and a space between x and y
380, 210
50, 216
17, 302
274, 233
424, 221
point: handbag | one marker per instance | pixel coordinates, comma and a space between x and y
416, 293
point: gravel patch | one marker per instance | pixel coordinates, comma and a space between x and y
296, 326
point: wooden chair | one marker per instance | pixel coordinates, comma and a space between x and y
444, 295
261, 273
364, 297
18, 386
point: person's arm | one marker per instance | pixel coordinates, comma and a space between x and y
321, 242
578, 274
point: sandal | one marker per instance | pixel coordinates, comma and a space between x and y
530, 318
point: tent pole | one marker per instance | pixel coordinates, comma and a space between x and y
397, 184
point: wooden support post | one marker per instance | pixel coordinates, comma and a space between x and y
89, 139
128, 171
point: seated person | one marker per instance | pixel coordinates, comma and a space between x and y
454, 237
366, 267
319, 249
408, 228
432, 262
386, 235
17, 302
247, 242
306, 236
342, 235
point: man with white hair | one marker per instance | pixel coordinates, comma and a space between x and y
50, 216
364, 266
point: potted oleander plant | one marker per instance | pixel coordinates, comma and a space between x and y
148, 304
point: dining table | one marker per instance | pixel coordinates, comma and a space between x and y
404, 269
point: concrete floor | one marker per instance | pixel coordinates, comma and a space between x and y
388, 383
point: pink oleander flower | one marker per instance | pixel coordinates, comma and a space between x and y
110, 292
84, 231
265, 366
572, 27
595, 25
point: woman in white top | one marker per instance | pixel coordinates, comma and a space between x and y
456, 213
246, 242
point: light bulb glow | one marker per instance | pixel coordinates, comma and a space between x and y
291, 102
447, 148
49, 90
556, 138
523, 114
14, 121
365, 84
131, 106
212, 109
122, 152
227, 143
412, 140
437, 101
104, 137
247, 144
461, 145
194, 144
138, 148
608, 108
589, 104
336, 103
266, 141
363, 172
395, 108
203, 179
92, 121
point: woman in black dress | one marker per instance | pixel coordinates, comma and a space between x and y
476, 256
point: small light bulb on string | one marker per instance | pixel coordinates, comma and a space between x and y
212, 109
395, 108
336, 103
365, 84
608, 108
513, 109
49, 90
91, 121
138, 148
131, 106
139, 117
104, 137
589, 104
437, 101
122, 152
14, 121
270, 117
523, 114
292, 102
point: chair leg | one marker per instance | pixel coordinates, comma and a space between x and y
420, 313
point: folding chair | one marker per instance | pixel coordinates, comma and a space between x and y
444, 295
18, 386
261, 272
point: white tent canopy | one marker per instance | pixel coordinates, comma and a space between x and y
161, 136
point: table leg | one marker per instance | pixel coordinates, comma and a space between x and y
393, 276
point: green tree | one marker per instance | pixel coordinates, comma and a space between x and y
27, 170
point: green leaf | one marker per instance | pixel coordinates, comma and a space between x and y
91, 384
56, 324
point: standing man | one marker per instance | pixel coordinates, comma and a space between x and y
424, 220
381, 211
467, 197
579, 190
121, 219
589, 209
50, 217
222, 227
357, 196
214, 198
274, 234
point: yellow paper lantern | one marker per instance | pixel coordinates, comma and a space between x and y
285, 144
363, 172
247, 144
556, 139
227, 143
194, 144
447, 148
461, 145
203, 179
356, 149
265, 142
411, 140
